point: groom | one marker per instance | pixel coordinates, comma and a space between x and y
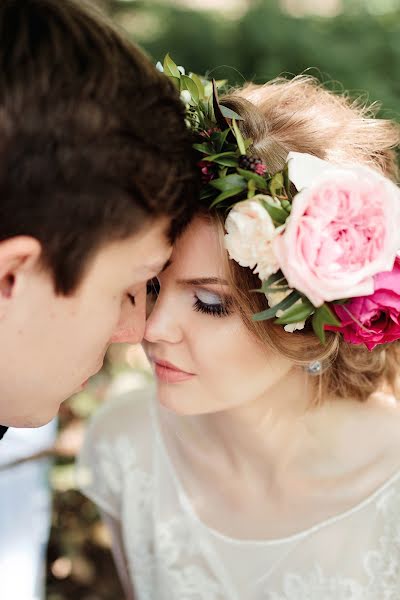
96, 180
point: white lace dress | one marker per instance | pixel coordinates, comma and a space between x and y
172, 555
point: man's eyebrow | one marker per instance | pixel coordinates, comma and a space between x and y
203, 281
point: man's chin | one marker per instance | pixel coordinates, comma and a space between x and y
31, 422
39, 418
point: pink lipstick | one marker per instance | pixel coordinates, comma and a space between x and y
166, 372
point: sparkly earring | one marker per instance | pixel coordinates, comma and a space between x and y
314, 368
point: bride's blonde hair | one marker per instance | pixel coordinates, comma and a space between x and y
301, 115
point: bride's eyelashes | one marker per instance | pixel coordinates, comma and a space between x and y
205, 301
212, 304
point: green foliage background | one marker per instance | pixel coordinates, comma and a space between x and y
357, 48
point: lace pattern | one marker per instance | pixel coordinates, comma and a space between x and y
172, 558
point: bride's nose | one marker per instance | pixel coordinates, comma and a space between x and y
163, 322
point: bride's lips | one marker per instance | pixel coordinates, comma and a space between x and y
169, 373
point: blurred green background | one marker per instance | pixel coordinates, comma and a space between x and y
354, 43
347, 44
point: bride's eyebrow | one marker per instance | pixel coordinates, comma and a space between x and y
203, 281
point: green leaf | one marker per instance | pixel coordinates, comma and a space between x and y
175, 81
247, 143
274, 289
251, 186
205, 148
230, 181
275, 282
273, 278
226, 162
260, 181
227, 159
220, 83
271, 312
300, 312
323, 316
278, 215
286, 181
170, 67
212, 157
230, 114
239, 138
219, 117
199, 84
189, 84
227, 194
286, 205
218, 138
276, 184
206, 193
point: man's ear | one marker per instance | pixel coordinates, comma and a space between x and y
17, 255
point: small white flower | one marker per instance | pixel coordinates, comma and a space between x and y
274, 298
181, 70
159, 67
250, 231
185, 96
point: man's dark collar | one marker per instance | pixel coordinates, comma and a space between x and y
2, 430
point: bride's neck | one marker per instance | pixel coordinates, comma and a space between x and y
284, 431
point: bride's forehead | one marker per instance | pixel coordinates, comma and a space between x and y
201, 236
201, 241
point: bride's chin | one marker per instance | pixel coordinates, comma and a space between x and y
180, 403
176, 401
170, 400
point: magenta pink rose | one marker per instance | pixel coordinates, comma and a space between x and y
375, 319
344, 228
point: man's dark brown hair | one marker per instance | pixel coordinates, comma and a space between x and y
92, 137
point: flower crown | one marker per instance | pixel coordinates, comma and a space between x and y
324, 239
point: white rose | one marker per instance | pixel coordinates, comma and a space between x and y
250, 231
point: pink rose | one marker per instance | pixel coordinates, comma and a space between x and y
249, 232
374, 319
344, 228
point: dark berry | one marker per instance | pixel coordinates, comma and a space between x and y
249, 163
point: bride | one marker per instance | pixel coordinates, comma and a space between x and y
265, 463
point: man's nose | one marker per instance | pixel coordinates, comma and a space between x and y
130, 328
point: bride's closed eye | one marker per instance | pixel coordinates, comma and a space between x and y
212, 304
205, 301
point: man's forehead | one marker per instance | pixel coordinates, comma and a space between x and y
156, 265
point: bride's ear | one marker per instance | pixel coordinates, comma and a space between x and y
18, 255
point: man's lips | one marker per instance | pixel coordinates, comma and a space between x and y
168, 372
